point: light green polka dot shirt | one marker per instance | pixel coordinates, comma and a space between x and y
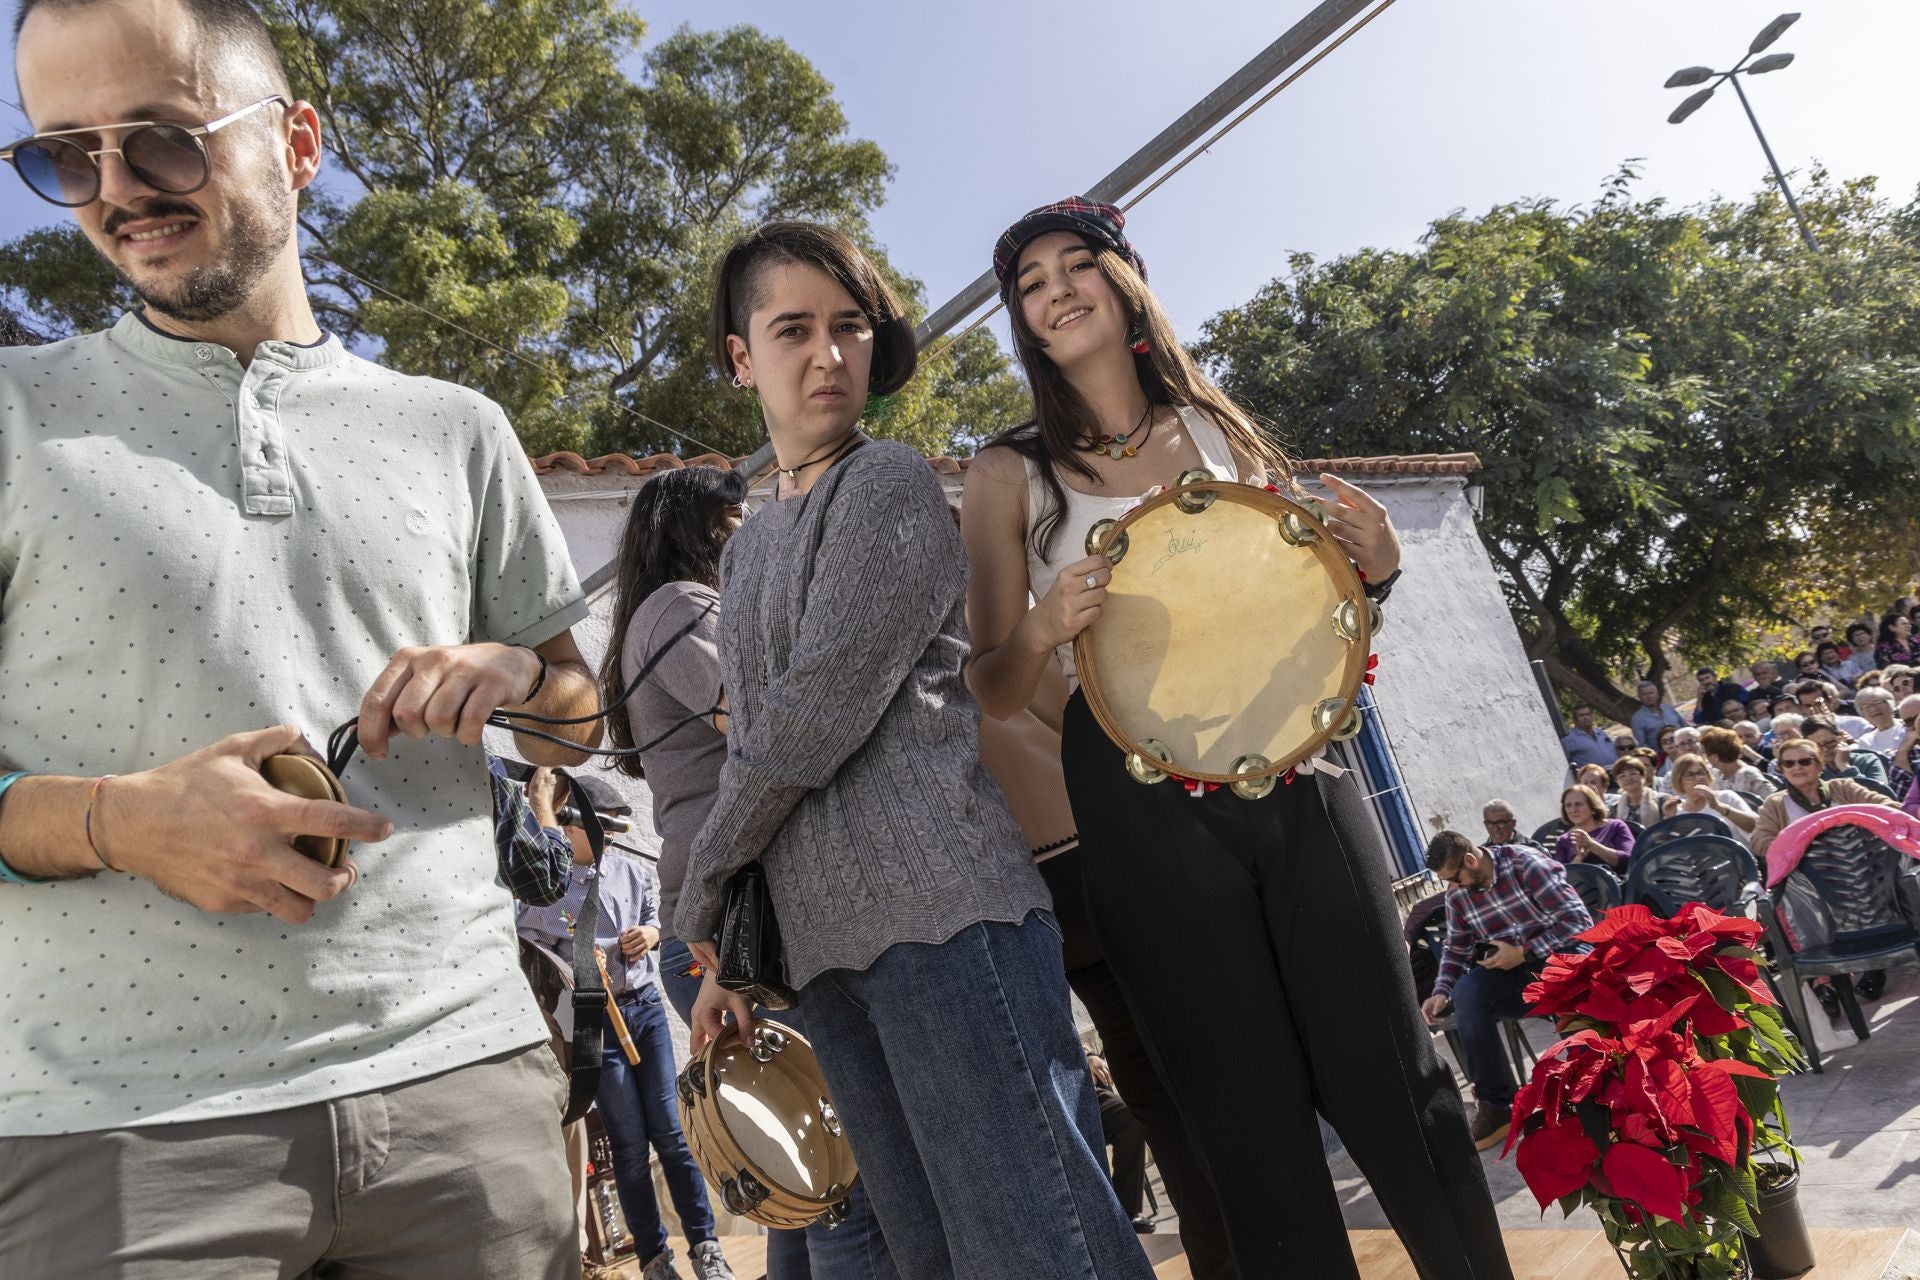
191, 548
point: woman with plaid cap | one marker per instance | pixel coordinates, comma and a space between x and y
1266, 922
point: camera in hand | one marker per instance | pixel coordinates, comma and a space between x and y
1484, 950
569, 816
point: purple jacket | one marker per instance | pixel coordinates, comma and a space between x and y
1613, 833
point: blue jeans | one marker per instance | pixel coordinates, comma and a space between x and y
854, 1250
967, 1100
637, 1106
1481, 998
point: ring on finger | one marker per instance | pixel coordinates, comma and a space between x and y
1092, 582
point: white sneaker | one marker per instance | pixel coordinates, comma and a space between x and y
708, 1262
659, 1267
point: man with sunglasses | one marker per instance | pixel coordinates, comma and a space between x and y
225, 1058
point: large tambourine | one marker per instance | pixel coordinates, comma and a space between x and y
763, 1130
1234, 639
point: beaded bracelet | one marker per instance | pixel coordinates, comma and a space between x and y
7, 874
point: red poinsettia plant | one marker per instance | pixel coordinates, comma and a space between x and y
1650, 1109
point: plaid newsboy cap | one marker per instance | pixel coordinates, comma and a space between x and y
1101, 225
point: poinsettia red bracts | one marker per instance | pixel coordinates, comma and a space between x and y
1627, 1106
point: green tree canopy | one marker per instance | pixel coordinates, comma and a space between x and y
1688, 423
522, 199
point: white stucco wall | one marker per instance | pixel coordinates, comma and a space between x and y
1456, 693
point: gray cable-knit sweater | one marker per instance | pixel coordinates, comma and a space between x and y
853, 758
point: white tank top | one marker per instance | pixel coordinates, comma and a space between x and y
1084, 510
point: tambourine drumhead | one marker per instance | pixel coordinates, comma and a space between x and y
767, 1115
1220, 636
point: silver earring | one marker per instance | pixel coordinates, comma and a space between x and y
738, 385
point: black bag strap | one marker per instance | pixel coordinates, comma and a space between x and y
589, 991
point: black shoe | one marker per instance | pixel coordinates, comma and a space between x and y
1871, 985
1143, 1225
1829, 999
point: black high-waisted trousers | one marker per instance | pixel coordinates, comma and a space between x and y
1257, 945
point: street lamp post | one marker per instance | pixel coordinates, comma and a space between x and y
1757, 66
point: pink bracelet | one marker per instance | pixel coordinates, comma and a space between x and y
87, 823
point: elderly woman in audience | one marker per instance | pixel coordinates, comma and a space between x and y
1898, 679
1592, 836
1806, 792
1877, 706
1750, 738
1694, 792
1635, 800
1786, 724
1729, 758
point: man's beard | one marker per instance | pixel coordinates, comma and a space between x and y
254, 237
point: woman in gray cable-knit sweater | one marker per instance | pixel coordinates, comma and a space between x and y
915, 925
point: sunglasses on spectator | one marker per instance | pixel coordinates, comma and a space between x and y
60, 167
1798, 761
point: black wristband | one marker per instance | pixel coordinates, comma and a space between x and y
539, 681
1379, 591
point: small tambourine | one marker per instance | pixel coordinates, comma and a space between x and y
763, 1130
309, 779
1234, 639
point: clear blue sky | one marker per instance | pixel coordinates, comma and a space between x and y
989, 107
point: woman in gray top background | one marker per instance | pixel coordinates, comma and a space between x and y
667, 613
914, 923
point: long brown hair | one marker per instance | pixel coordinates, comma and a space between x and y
1167, 375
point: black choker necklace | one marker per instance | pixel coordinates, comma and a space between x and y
1116, 447
839, 450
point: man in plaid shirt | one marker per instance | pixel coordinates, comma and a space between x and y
1508, 907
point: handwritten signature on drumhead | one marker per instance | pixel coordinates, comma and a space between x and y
1178, 546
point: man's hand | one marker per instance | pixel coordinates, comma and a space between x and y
209, 830
1505, 955
637, 940
710, 1010
544, 794
1433, 1008
1098, 1069
448, 690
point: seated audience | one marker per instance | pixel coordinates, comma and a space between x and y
1818, 698
1766, 681
1652, 714
1666, 740
1806, 791
1508, 910
1585, 744
1694, 792
1751, 735
1877, 707
1895, 643
1711, 694
1594, 776
1635, 801
1592, 836
1786, 724
1624, 743
1898, 679
1842, 759
1503, 825
1726, 752
1860, 642
1831, 667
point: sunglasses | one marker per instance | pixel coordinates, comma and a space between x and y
62, 169
1797, 762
